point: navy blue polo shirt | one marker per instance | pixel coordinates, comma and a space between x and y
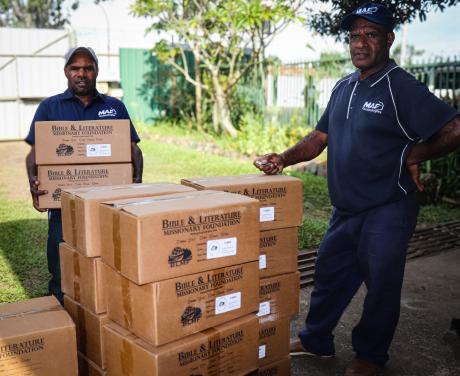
371, 126
66, 106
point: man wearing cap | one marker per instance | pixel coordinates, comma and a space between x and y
81, 101
379, 124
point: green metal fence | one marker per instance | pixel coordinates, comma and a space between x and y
303, 89
151, 89
442, 77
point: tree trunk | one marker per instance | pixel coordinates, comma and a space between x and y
222, 107
215, 117
198, 93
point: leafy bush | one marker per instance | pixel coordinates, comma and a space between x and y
255, 138
245, 99
446, 171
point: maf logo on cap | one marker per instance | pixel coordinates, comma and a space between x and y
366, 10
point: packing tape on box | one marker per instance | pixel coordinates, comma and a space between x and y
73, 220
127, 311
77, 273
82, 337
76, 291
126, 358
76, 264
213, 362
4, 316
116, 240
151, 200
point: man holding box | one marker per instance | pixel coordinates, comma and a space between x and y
379, 124
81, 101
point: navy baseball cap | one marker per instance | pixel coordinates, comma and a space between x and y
72, 51
375, 13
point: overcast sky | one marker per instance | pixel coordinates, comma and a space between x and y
439, 35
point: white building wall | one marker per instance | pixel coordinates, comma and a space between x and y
26, 80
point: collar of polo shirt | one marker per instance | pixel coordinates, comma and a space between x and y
376, 77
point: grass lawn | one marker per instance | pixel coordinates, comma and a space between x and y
23, 231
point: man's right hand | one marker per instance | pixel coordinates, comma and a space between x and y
36, 193
271, 164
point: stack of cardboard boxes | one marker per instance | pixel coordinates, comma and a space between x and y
176, 289
181, 276
281, 211
72, 154
81, 265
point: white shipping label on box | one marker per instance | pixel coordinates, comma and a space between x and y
98, 150
262, 262
217, 248
262, 351
264, 309
267, 214
228, 303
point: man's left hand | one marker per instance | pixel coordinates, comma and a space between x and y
414, 173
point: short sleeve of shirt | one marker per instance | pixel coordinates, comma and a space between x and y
323, 123
40, 115
124, 115
420, 111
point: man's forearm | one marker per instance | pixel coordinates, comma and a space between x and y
138, 162
31, 166
441, 144
306, 149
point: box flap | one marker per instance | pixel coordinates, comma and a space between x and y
217, 181
31, 306
114, 192
200, 200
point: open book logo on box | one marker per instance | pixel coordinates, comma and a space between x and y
56, 195
64, 150
190, 315
179, 256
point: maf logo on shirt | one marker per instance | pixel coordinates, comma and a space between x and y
376, 108
107, 113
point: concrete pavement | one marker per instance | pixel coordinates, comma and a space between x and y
423, 344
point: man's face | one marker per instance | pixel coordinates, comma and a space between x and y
369, 44
81, 73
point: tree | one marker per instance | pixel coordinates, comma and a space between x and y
328, 22
226, 37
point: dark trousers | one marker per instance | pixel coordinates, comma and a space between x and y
369, 247
52, 252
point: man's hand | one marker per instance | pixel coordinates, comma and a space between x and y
138, 162
271, 164
36, 193
414, 173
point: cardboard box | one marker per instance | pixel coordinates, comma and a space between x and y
274, 337
229, 349
81, 278
80, 210
159, 238
279, 368
55, 179
165, 311
280, 295
87, 368
89, 330
37, 337
78, 142
281, 197
279, 249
